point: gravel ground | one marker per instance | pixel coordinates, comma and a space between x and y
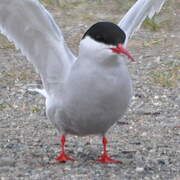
147, 139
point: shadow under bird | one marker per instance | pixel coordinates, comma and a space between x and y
86, 94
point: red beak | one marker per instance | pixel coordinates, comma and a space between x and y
120, 49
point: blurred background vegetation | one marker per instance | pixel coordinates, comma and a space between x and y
153, 24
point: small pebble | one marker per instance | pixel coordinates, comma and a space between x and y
139, 169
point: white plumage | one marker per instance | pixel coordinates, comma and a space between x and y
133, 19
85, 94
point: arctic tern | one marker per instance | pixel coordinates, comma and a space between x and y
86, 94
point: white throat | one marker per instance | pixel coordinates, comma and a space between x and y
89, 49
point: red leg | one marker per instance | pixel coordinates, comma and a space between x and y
104, 158
63, 157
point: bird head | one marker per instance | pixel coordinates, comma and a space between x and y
104, 38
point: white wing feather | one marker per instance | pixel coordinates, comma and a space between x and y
133, 19
29, 25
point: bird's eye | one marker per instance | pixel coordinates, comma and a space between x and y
100, 38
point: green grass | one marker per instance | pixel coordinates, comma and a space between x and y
152, 42
151, 24
156, 23
2, 107
5, 44
63, 4
35, 109
168, 75
15, 75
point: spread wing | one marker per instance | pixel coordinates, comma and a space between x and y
33, 30
133, 19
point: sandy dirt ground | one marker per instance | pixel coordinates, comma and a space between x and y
146, 139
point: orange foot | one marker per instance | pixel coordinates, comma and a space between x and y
104, 158
64, 158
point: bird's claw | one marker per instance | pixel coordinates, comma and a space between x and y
104, 158
64, 158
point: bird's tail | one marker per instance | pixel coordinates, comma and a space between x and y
40, 91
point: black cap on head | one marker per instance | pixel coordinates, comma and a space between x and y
107, 33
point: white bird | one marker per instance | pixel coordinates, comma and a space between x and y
85, 94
